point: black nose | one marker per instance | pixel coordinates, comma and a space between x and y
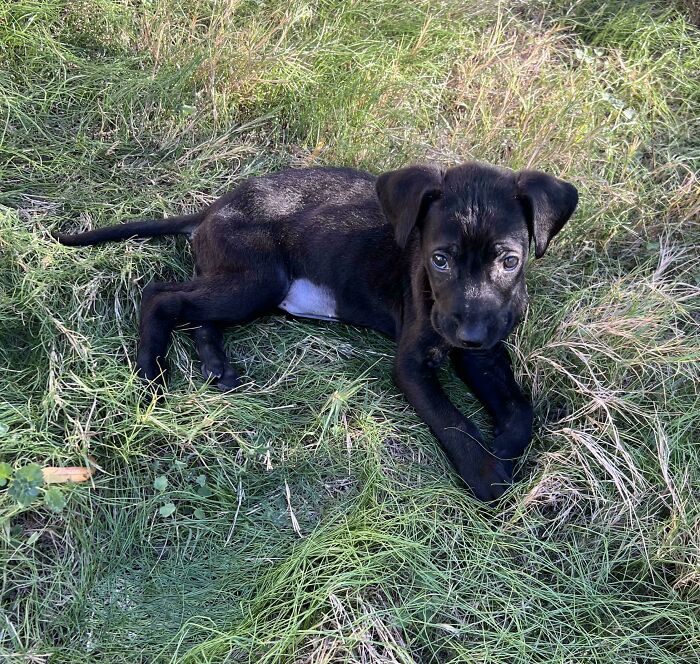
472, 335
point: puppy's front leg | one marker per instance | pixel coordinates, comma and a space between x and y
482, 471
489, 376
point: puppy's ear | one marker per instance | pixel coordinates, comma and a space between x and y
406, 195
548, 203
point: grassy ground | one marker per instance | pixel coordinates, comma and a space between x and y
315, 519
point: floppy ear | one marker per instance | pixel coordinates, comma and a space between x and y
406, 195
548, 202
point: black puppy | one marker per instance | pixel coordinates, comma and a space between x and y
434, 258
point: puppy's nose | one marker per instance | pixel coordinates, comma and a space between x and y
472, 335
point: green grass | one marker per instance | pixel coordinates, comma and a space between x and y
333, 529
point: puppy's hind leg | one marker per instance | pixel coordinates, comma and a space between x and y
209, 339
230, 298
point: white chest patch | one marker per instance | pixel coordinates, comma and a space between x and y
308, 300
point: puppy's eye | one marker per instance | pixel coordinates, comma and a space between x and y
440, 262
511, 262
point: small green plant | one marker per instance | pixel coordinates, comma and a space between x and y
203, 491
5, 473
54, 499
160, 483
167, 510
25, 484
198, 483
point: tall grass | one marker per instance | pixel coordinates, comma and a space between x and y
316, 520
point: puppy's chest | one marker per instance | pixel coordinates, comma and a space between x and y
309, 300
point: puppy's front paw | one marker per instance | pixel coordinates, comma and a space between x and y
489, 478
512, 437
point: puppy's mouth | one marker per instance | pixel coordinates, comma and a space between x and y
473, 347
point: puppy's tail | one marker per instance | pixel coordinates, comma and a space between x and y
148, 228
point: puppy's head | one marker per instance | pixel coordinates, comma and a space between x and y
474, 224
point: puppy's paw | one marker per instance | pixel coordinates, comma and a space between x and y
222, 374
512, 436
229, 380
489, 479
212, 369
507, 462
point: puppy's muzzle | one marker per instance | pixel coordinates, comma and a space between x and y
472, 335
